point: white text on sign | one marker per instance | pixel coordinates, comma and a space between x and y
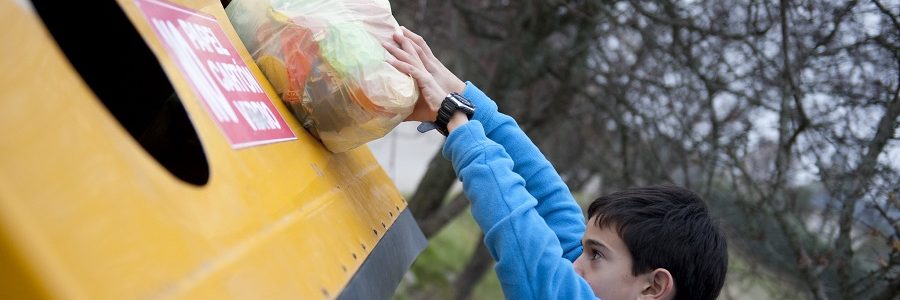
202, 37
231, 76
217, 73
194, 69
257, 115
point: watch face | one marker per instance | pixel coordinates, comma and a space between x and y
461, 100
452, 103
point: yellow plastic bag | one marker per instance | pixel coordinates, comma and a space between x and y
325, 59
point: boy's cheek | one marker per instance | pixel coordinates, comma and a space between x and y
595, 280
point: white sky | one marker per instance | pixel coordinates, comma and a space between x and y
405, 153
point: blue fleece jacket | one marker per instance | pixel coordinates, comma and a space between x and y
532, 225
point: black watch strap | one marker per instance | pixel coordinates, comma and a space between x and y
452, 103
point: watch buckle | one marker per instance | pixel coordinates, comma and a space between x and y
426, 126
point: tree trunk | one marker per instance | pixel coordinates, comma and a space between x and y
430, 193
480, 262
444, 215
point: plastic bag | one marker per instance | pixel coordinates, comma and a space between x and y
325, 60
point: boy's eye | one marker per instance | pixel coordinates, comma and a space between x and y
595, 255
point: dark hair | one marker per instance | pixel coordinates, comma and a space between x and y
668, 227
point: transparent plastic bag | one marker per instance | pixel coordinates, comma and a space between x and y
325, 60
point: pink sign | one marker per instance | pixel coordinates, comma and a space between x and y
230, 93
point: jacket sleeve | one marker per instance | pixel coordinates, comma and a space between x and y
528, 254
554, 200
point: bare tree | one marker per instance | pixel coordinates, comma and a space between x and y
782, 114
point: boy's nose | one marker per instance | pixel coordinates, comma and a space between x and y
577, 265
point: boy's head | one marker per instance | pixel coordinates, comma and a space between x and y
655, 242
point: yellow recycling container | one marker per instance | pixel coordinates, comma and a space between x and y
144, 156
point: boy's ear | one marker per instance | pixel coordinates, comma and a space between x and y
659, 285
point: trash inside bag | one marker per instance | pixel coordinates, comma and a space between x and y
325, 60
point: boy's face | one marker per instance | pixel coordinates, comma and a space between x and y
605, 264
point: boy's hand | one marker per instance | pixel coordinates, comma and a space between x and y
441, 74
407, 60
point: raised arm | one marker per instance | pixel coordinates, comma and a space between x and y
554, 200
528, 254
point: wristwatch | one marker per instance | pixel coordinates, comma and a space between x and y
452, 103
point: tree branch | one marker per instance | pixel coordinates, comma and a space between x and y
886, 11
793, 91
431, 191
856, 186
436, 221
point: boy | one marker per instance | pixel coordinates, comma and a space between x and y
646, 243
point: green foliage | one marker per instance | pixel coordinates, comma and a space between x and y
447, 254
488, 288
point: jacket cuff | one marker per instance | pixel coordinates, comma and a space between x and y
485, 108
462, 140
